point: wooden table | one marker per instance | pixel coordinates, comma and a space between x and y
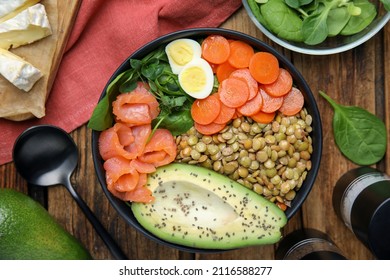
357, 77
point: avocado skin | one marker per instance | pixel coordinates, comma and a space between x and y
28, 232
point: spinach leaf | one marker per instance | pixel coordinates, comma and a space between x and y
386, 4
102, 117
336, 20
282, 20
255, 8
298, 3
358, 23
315, 29
360, 135
177, 122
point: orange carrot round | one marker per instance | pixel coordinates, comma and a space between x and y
270, 103
292, 102
240, 54
252, 83
264, 67
225, 115
224, 70
209, 129
281, 86
262, 117
252, 106
205, 111
215, 49
233, 92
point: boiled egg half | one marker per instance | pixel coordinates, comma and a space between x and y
180, 52
197, 78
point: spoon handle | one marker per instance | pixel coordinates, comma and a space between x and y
106, 237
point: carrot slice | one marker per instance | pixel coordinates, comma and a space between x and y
225, 115
292, 102
270, 103
206, 110
214, 67
252, 106
262, 117
209, 129
240, 54
252, 83
233, 92
281, 86
224, 70
237, 115
264, 67
215, 49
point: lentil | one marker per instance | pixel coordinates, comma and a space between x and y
271, 159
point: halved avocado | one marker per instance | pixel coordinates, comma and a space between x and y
200, 208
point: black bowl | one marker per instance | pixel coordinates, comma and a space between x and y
123, 207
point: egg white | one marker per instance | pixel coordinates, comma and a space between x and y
182, 51
197, 78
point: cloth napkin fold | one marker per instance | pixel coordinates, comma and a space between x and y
104, 35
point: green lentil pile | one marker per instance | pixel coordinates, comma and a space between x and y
271, 159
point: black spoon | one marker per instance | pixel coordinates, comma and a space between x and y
46, 155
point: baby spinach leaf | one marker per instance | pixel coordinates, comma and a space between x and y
358, 23
360, 135
386, 4
315, 29
177, 122
255, 8
282, 20
102, 117
297, 3
336, 20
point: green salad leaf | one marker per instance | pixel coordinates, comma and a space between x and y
360, 135
313, 21
386, 4
154, 69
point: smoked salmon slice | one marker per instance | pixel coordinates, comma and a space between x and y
136, 107
141, 193
161, 149
120, 174
141, 135
129, 149
142, 167
112, 142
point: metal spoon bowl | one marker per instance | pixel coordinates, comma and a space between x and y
46, 155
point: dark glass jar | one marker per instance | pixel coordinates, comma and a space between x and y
308, 244
361, 199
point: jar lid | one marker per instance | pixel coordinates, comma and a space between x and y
379, 231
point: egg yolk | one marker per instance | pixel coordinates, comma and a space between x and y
181, 53
193, 79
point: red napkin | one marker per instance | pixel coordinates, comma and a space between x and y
104, 35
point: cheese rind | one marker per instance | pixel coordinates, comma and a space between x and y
19, 72
27, 27
9, 8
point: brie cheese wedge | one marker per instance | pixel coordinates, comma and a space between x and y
28, 26
20, 73
9, 8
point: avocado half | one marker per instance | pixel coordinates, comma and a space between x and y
200, 208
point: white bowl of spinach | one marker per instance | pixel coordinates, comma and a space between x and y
319, 27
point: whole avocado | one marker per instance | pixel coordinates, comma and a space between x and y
28, 232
